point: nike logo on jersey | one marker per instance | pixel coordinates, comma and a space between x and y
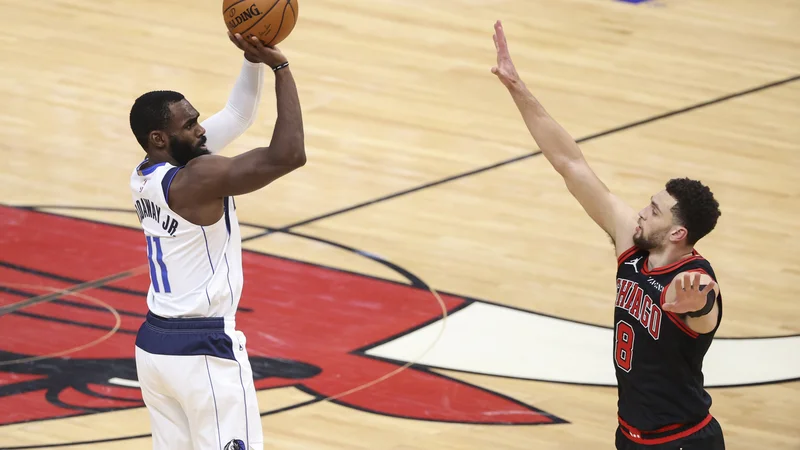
146, 209
633, 263
639, 305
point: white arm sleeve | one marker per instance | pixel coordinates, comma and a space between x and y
239, 113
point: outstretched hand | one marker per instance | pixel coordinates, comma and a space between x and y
504, 69
689, 297
256, 52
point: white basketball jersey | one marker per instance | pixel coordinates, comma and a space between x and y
195, 271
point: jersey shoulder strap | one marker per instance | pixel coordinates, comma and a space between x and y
153, 182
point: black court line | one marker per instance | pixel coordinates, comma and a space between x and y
77, 288
27, 294
530, 155
57, 277
76, 323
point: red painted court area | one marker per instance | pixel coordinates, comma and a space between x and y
304, 324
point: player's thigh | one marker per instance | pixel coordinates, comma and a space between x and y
252, 412
168, 423
222, 411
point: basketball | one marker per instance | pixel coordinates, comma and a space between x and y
271, 21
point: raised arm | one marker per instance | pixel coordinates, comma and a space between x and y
207, 178
606, 209
239, 112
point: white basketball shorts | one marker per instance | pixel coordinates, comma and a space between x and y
197, 385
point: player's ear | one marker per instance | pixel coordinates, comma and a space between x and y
158, 139
678, 234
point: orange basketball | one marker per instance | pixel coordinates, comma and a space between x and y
269, 20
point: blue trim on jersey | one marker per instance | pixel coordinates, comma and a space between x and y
227, 217
150, 169
150, 262
139, 166
164, 275
184, 337
208, 252
166, 182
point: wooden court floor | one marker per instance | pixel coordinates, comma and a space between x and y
425, 281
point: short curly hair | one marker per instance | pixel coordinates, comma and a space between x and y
150, 112
696, 209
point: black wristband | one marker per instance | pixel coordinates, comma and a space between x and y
277, 68
711, 297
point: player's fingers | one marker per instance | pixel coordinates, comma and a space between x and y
235, 41
237, 38
501, 36
708, 288
247, 44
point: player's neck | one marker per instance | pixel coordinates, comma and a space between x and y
158, 158
665, 256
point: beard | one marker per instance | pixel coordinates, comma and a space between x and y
649, 242
183, 152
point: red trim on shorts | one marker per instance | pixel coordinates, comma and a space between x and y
640, 439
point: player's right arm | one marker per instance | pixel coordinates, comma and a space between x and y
211, 177
616, 218
208, 178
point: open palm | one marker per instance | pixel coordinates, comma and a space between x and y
690, 295
504, 69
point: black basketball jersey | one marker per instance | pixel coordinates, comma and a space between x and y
657, 357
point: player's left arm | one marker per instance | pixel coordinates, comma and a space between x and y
694, 295
240, 111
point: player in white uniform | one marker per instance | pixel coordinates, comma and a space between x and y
191, 361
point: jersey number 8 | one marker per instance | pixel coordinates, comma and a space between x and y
623, 346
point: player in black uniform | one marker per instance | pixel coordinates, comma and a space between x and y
668, 306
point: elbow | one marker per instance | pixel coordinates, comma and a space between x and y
563, 168
300, 160
567, 167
